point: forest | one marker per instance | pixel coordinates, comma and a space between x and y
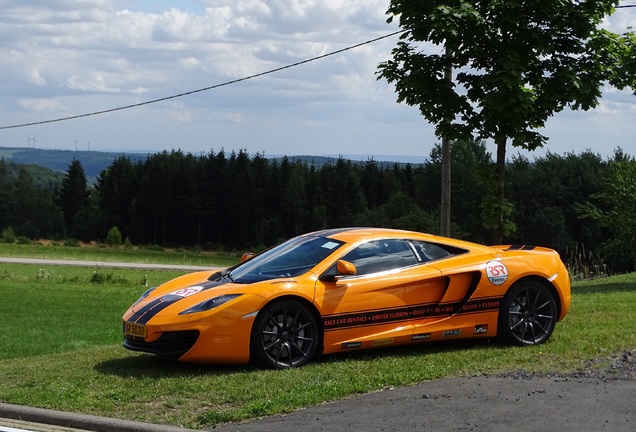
582, 205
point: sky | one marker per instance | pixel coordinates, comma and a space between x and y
61, 58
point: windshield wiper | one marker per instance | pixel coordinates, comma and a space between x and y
222, 275
228, 275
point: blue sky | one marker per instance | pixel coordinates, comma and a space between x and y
159, 6
70, 57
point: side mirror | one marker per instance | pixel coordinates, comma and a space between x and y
342, 268
345, 268
247, 255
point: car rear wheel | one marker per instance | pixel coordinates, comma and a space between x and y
528, 314
285, 334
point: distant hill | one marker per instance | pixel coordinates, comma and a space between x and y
43, 178
319, 161
94, 162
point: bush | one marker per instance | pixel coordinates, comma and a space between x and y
107, 278
113, 238
8, 236
212, 247
23, 240
71, 242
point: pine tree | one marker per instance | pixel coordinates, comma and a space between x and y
74, 196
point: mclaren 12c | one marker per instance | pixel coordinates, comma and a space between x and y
350, 289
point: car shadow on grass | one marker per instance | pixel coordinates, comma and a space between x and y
140, 365
414, 350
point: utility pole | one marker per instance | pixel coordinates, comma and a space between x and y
444, 226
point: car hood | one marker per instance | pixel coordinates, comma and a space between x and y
189, 293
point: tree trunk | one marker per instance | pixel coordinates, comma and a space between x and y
446, 188
500, 179
445, 215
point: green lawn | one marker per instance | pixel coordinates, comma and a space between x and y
60, 342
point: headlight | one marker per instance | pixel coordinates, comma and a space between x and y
209, 304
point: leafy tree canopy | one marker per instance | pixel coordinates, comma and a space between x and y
518, 63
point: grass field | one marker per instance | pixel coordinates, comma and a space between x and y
60, 347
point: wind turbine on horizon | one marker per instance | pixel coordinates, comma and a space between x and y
30, 140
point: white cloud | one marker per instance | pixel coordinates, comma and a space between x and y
69, 57
39, 104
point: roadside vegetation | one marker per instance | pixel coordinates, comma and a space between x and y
61, 348
226, 202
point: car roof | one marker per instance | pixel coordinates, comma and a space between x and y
356, 234
353, 235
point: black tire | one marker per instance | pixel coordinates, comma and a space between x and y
285, 334
528, 314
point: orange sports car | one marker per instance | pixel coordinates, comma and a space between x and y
349, 289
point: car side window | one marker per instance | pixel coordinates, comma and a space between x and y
381, 255
430, 251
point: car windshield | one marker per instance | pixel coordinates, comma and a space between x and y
292, 258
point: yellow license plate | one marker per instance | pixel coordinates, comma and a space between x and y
137, 330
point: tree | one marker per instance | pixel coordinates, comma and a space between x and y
35, 214
117, 186
7, 199
615, 209
74, 195
622, 69
545, 193
518, 62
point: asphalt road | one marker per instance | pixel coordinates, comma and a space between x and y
592, 400
103, 264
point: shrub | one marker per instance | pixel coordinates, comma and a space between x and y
107, 278
212, 247
113, 238
23, 240
8, 235
71, 242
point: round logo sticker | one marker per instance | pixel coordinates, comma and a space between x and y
497, 272
186, 292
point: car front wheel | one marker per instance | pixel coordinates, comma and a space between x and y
528, 314
285, 334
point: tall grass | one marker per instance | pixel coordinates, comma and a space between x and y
582, 264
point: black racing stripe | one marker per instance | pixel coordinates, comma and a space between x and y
521, 247
143, 315
154, 311
141, 312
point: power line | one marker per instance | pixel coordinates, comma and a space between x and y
204, 88
153, 101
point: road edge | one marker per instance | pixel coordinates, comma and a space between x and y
81, 421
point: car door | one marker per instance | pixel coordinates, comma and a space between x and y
388, 293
